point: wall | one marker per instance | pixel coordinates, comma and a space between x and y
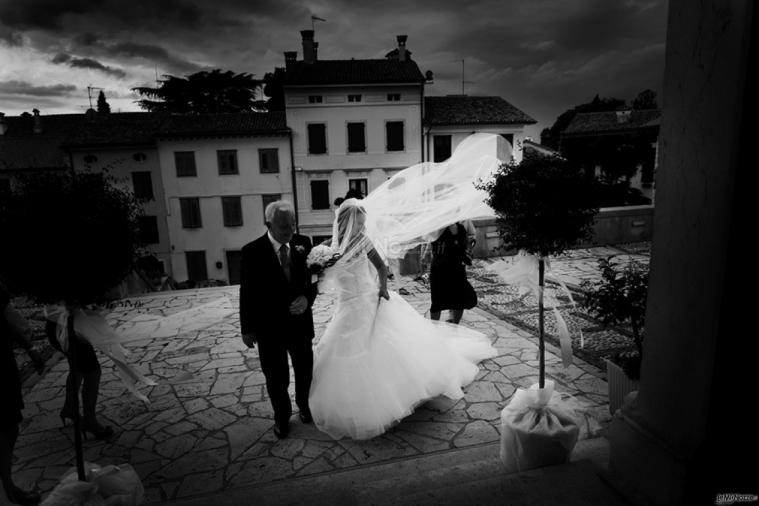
213, 237
337, 165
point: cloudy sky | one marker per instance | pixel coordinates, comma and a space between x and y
543, 56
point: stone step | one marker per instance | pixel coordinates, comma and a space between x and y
464, 476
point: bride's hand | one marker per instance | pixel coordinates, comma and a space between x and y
383, 293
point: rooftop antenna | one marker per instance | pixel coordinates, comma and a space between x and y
89, 93
462, 78
315, 18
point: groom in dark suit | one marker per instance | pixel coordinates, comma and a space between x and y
276, 295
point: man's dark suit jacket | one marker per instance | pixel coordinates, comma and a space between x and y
265, 294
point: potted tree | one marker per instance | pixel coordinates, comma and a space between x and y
619, 298
545, 205
72, 238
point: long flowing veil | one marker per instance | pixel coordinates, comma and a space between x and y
417, 203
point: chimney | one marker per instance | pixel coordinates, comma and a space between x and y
402, 47
3, 124
37, 121
308, 46
290, 57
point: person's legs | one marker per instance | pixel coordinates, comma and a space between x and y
90, 395
302, 355
456, 315
7, 442
273, 356
15, 495
434, 315
73, 382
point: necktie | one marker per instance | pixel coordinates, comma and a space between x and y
284, 260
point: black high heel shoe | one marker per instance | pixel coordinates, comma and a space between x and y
66, 414
102, 432
24, 497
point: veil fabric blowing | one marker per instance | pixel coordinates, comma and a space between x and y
417, 203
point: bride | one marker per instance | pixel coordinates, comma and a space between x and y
379, 358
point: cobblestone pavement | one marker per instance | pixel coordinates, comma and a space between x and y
208, 426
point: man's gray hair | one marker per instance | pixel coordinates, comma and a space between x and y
278, 206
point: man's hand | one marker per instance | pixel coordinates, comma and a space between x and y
37, 361
250, 340
299, 305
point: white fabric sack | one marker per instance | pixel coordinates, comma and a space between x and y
538, 429
105, 486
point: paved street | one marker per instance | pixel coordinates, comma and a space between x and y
208, 426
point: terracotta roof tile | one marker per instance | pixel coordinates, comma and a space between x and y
466, 110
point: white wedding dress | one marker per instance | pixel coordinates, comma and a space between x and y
379, 359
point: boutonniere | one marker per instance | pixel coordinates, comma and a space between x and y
300, 249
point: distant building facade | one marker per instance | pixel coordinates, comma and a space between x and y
205, 179
616, 144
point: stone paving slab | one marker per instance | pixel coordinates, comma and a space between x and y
208, 426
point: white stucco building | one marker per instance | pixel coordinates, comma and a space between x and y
354, 123
219, 173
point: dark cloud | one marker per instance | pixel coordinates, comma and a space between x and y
10, 38
156, 54
544, 56
40, 14
88, 63
14, 87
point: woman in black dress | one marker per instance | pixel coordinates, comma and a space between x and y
12, 328
449, 287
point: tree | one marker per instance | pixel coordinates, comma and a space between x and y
646, 99
619, 298
544, 206
75, 236
202, 92
274, 89
103, 106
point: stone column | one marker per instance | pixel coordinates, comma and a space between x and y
675, 442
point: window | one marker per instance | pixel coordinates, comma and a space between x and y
268, 199
394, 135
142, 184
231, 208
319, 239
354, 98
356, 138
139, 157
268, 160
185, 163
234, 261
190, 209
196, 265
320, 194
441, 145
148, 226
358, 184
314, 99
317, 139
393, 97
90, 158
227, 161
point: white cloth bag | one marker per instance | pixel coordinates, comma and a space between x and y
538, 429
